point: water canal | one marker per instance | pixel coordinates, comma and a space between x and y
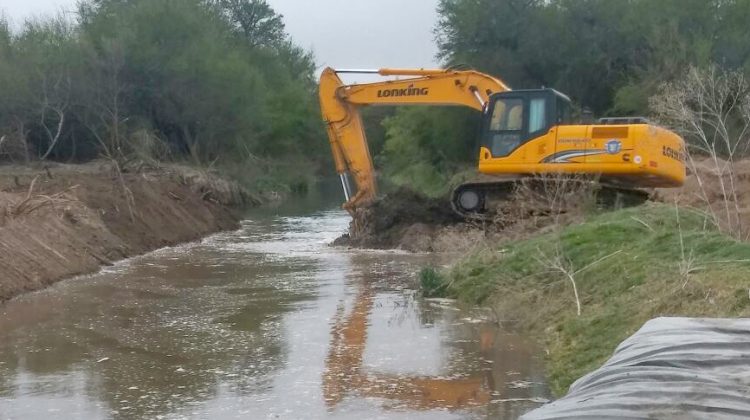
265, 322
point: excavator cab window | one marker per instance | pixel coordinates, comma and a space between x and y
516, 117
507, 115
506, 126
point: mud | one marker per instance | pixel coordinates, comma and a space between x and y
403, 219
412, 222
59, 221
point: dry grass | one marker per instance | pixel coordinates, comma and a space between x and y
16, 207
710, 108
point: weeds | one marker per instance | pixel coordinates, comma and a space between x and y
621, 268
431, 282
711, 109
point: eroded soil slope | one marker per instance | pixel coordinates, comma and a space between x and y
59, 221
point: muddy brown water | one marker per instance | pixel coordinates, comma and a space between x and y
266, 322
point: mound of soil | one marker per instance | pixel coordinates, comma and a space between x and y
410, 221
60, 221
404, 207
402, 219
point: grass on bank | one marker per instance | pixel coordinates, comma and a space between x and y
629, 266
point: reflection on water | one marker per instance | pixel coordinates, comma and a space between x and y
265, 322
345, 373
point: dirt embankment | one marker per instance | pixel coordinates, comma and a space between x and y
60, 221
403, 219
409, 221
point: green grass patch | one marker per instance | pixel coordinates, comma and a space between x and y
432, 282
629, 266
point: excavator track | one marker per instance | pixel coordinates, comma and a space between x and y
484, 200
470, 200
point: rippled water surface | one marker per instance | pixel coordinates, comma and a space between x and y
265, 322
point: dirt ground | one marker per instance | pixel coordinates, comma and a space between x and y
58, 221
402, 219
408, 221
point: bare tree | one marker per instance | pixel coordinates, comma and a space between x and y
107, 91
54, 100
711, 109
556, 262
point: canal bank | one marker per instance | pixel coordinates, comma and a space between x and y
621, 268
59, 221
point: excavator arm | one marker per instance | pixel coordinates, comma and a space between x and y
340, 104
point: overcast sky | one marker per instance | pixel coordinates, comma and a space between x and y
342, 33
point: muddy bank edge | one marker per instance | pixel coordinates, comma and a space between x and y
61, 221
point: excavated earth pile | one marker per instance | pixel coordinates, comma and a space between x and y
60, 221
402, 219
410, 221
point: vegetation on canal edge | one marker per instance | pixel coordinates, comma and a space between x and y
628, 266
215, 84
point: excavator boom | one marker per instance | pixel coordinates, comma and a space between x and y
525, 133
340, 104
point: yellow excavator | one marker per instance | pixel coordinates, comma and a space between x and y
525, 133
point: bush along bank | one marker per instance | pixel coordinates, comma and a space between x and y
619, 269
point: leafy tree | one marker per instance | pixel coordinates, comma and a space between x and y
607, 54
426, 146
46, 50
255, 20
212, 81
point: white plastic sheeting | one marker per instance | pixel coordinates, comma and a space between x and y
672, 368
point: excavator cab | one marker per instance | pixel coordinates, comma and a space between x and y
513, 118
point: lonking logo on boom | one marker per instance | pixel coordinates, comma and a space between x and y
409, 91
